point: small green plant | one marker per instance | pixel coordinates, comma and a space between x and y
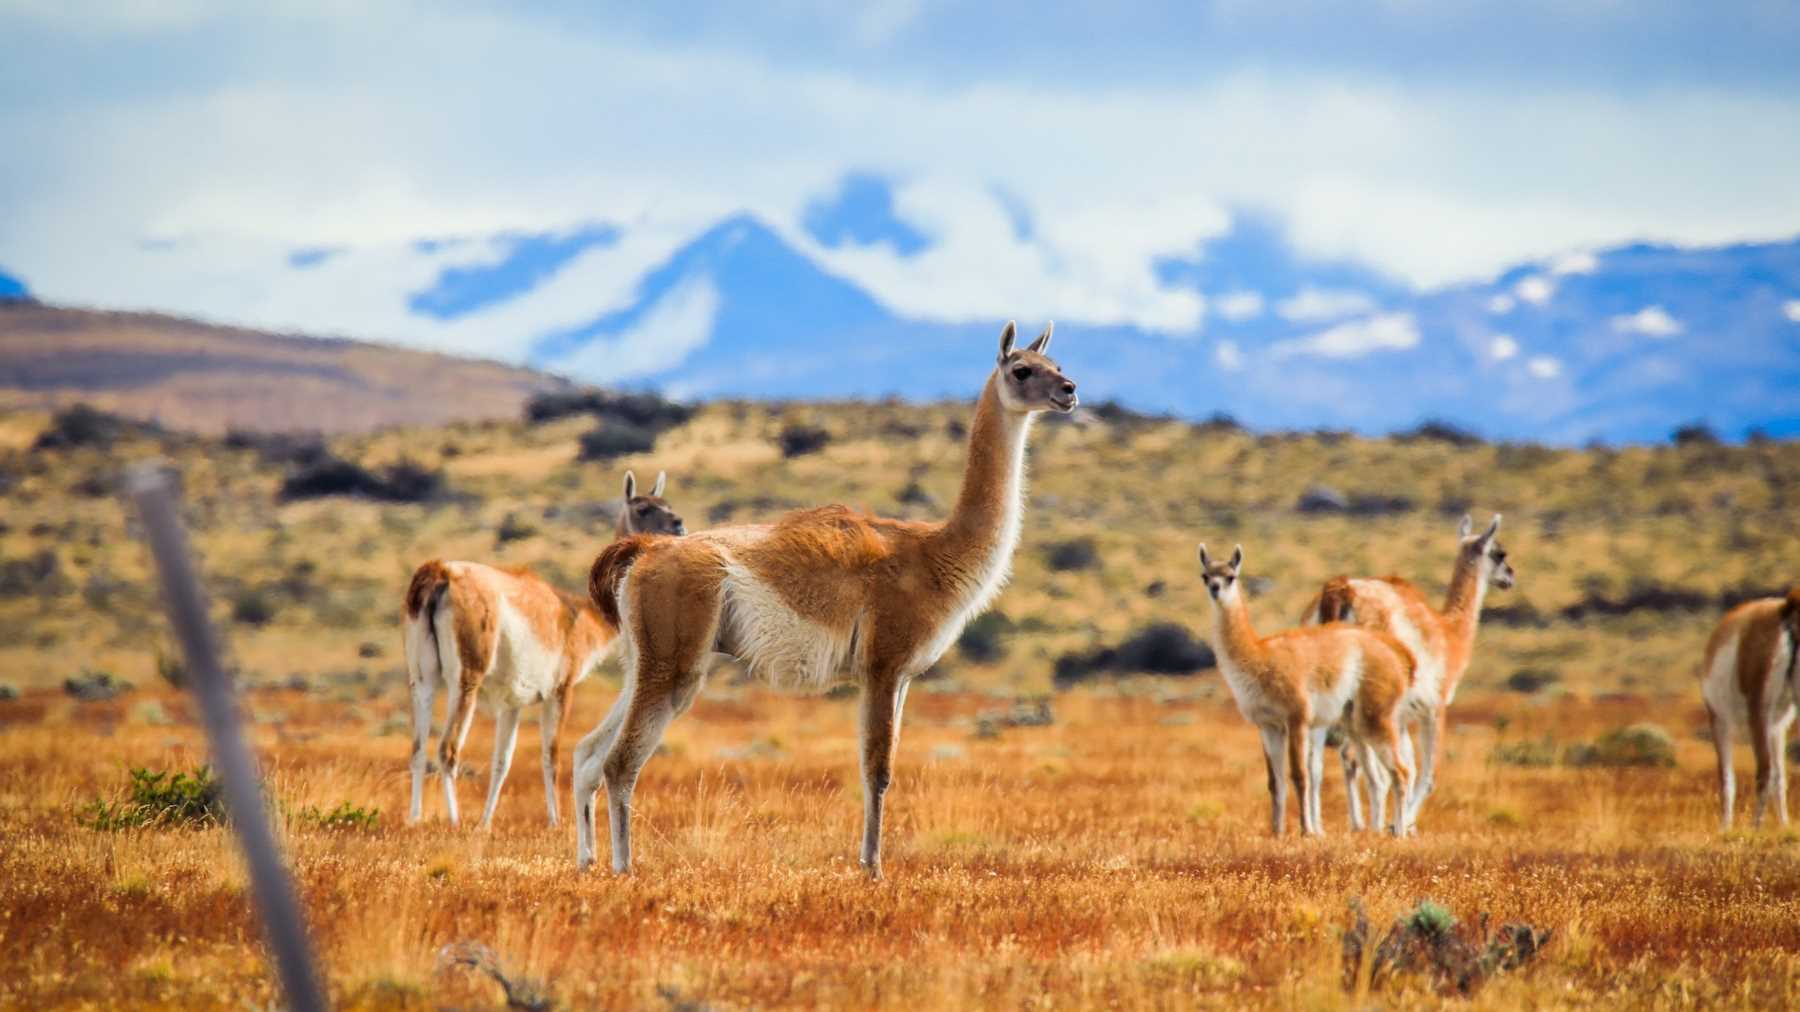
1637, 745
160, 799
1534, 754
346, 816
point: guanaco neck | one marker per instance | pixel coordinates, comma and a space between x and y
1233, 635
986, 516
1462, 605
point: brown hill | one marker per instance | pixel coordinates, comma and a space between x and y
204, 378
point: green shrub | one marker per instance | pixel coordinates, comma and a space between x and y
160, 799
1637, 745
346, 816
1538, 753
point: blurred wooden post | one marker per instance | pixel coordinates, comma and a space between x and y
149, 487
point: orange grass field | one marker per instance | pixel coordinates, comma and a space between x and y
1118, 858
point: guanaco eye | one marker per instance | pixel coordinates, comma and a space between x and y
1022, 372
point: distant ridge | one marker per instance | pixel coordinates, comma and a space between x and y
203, 378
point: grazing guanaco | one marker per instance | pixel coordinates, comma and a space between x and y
817, 593
1295, 685
1443, 641
510, 639
1747, 680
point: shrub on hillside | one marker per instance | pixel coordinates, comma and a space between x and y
86, 425
1162, 648
330, 475
798, 440
1637, 745
1076, 553
616, 439
983, 640
1436, 430
1694, 434
642, 409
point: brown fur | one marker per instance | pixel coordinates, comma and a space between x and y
1285, 670
887, 588
609, 565
1758, 628
426, 581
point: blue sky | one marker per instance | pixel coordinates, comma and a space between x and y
958, 163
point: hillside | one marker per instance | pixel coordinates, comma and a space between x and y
196, 377
1625, 557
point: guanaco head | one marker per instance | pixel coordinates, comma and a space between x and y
1221, 577
1029, 380
1482, 550
649, 514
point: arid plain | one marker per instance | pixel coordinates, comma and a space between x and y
1115, 856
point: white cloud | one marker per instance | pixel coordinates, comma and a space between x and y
1228, 356
1791, 310
462, 121
1500, 305
1385, 332
1650, 321
1315, 305
1239, 306
1535, 289
677, 324
1085, 262
1580, 262
1502, 348
1543, 367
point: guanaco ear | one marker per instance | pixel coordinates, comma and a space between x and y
1007, 335
1493, 529
1205, 560
1042, 344
630, 486
662, 480
1466, 528
1237, 558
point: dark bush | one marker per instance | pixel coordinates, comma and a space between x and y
643, 410
1219, 423
96, 686
1529, 680
983, 640
1637, 745
279, 447
86, 425
1325, 499
1429, 943
799, 440
1435, 430
254, 606
1322, 499
1076, 553
329, 475
513, 528
1694, 434
1162, 648
616, 439
39, 574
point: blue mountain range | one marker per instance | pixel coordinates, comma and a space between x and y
1620, 345
12, 289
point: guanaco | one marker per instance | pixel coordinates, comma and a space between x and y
817, 593
1442, 640
1295, 685
511, 639
1747, 680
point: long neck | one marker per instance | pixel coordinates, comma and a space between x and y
1233, 635
1462, 604
988, 508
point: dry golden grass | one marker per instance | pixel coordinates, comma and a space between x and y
1118, 858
